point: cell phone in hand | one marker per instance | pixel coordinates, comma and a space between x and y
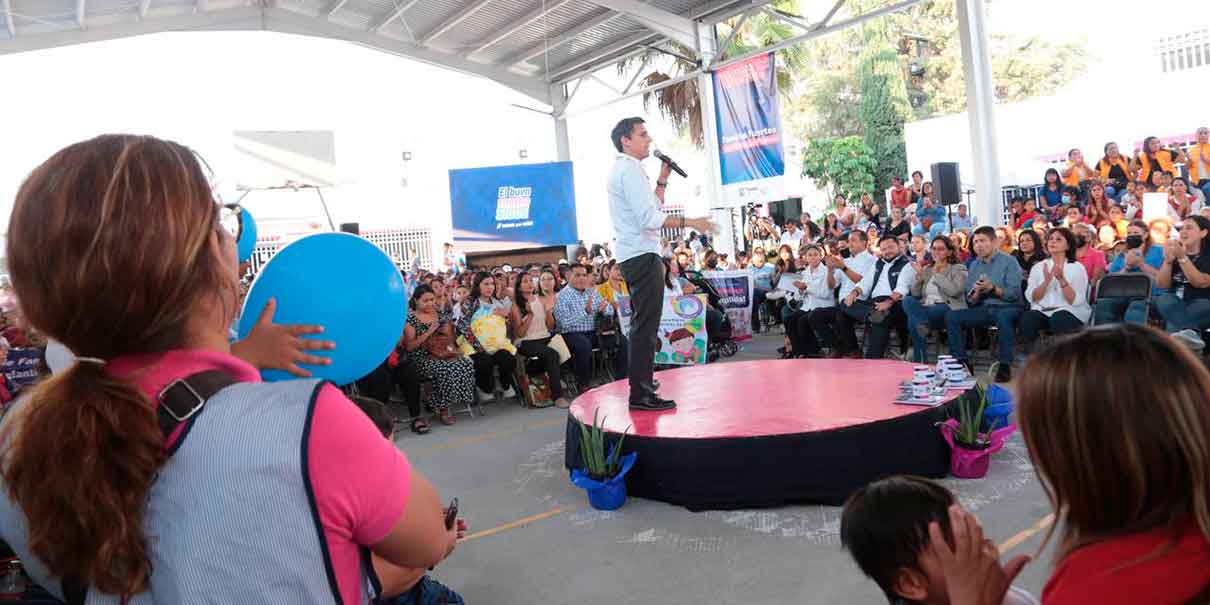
451, 514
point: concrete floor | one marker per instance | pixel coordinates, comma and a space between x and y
535, 540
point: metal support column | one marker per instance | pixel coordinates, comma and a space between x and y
712, 187
980, 109
558, 96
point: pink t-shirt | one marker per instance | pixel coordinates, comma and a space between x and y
1091, 261
361, 480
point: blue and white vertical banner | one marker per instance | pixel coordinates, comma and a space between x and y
751, 158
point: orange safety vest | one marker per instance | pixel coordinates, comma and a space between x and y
1073, 178
1104, 167
1196, 154
1165, 162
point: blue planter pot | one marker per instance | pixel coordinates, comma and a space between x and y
609, 494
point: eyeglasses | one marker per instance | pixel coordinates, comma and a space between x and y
230, 217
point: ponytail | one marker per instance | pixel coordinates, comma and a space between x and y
86, 450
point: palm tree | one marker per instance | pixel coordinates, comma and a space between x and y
680, 103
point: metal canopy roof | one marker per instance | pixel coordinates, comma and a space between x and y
527, 45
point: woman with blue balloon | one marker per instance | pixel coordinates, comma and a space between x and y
157, 409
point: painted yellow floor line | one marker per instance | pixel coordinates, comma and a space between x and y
1026, 534
456, 443
518, 523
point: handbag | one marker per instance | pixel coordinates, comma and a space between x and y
557, 343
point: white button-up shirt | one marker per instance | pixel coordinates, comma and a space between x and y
634, 209
793, 239
818, 294
862, 264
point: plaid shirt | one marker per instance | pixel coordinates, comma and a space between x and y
569, 310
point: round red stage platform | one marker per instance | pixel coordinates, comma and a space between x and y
768, 433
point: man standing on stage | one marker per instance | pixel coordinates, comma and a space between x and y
637, 220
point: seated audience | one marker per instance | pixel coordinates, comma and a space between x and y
1029, 251
885, 527
1077, 169
817, 291
1140, 257
576, 311
1115, 170
1052, 192
1072, 215
452, 373
790, 235
1159, 229
1199, 162
916, 188
98, 491
885, 288
1024, 219
484, 326
533, 315
1154, 158
898, 226
835, 330
845, 214
993, 293
1057, 291
1098, 205
1186, 272
1118, 220
1087, 254
961, 219
1181, 203
930, 214
613, 286
831, 226
900, 195
938, 288
762, 284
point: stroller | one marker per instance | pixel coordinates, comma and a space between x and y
718, 325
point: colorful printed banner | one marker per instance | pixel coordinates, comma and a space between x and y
22, 366
735, 297
751, 158
683, 339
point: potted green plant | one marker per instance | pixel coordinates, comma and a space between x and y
971, 447
603, 474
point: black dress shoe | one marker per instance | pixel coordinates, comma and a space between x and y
652, 404
655, 384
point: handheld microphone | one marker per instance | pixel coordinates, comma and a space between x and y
671, 164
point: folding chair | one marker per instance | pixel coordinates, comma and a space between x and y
1126, 285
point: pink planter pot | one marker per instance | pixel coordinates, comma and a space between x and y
968, 463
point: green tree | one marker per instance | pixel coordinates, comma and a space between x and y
929, 53
843, 166
884, 105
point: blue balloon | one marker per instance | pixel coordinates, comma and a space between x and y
247, 235
343, 283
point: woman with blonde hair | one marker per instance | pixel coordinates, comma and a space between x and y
1124, 457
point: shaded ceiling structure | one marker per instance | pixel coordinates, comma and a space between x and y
543, 49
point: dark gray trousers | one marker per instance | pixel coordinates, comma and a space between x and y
644, 275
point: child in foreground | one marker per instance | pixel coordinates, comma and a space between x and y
885, 526
405, 586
